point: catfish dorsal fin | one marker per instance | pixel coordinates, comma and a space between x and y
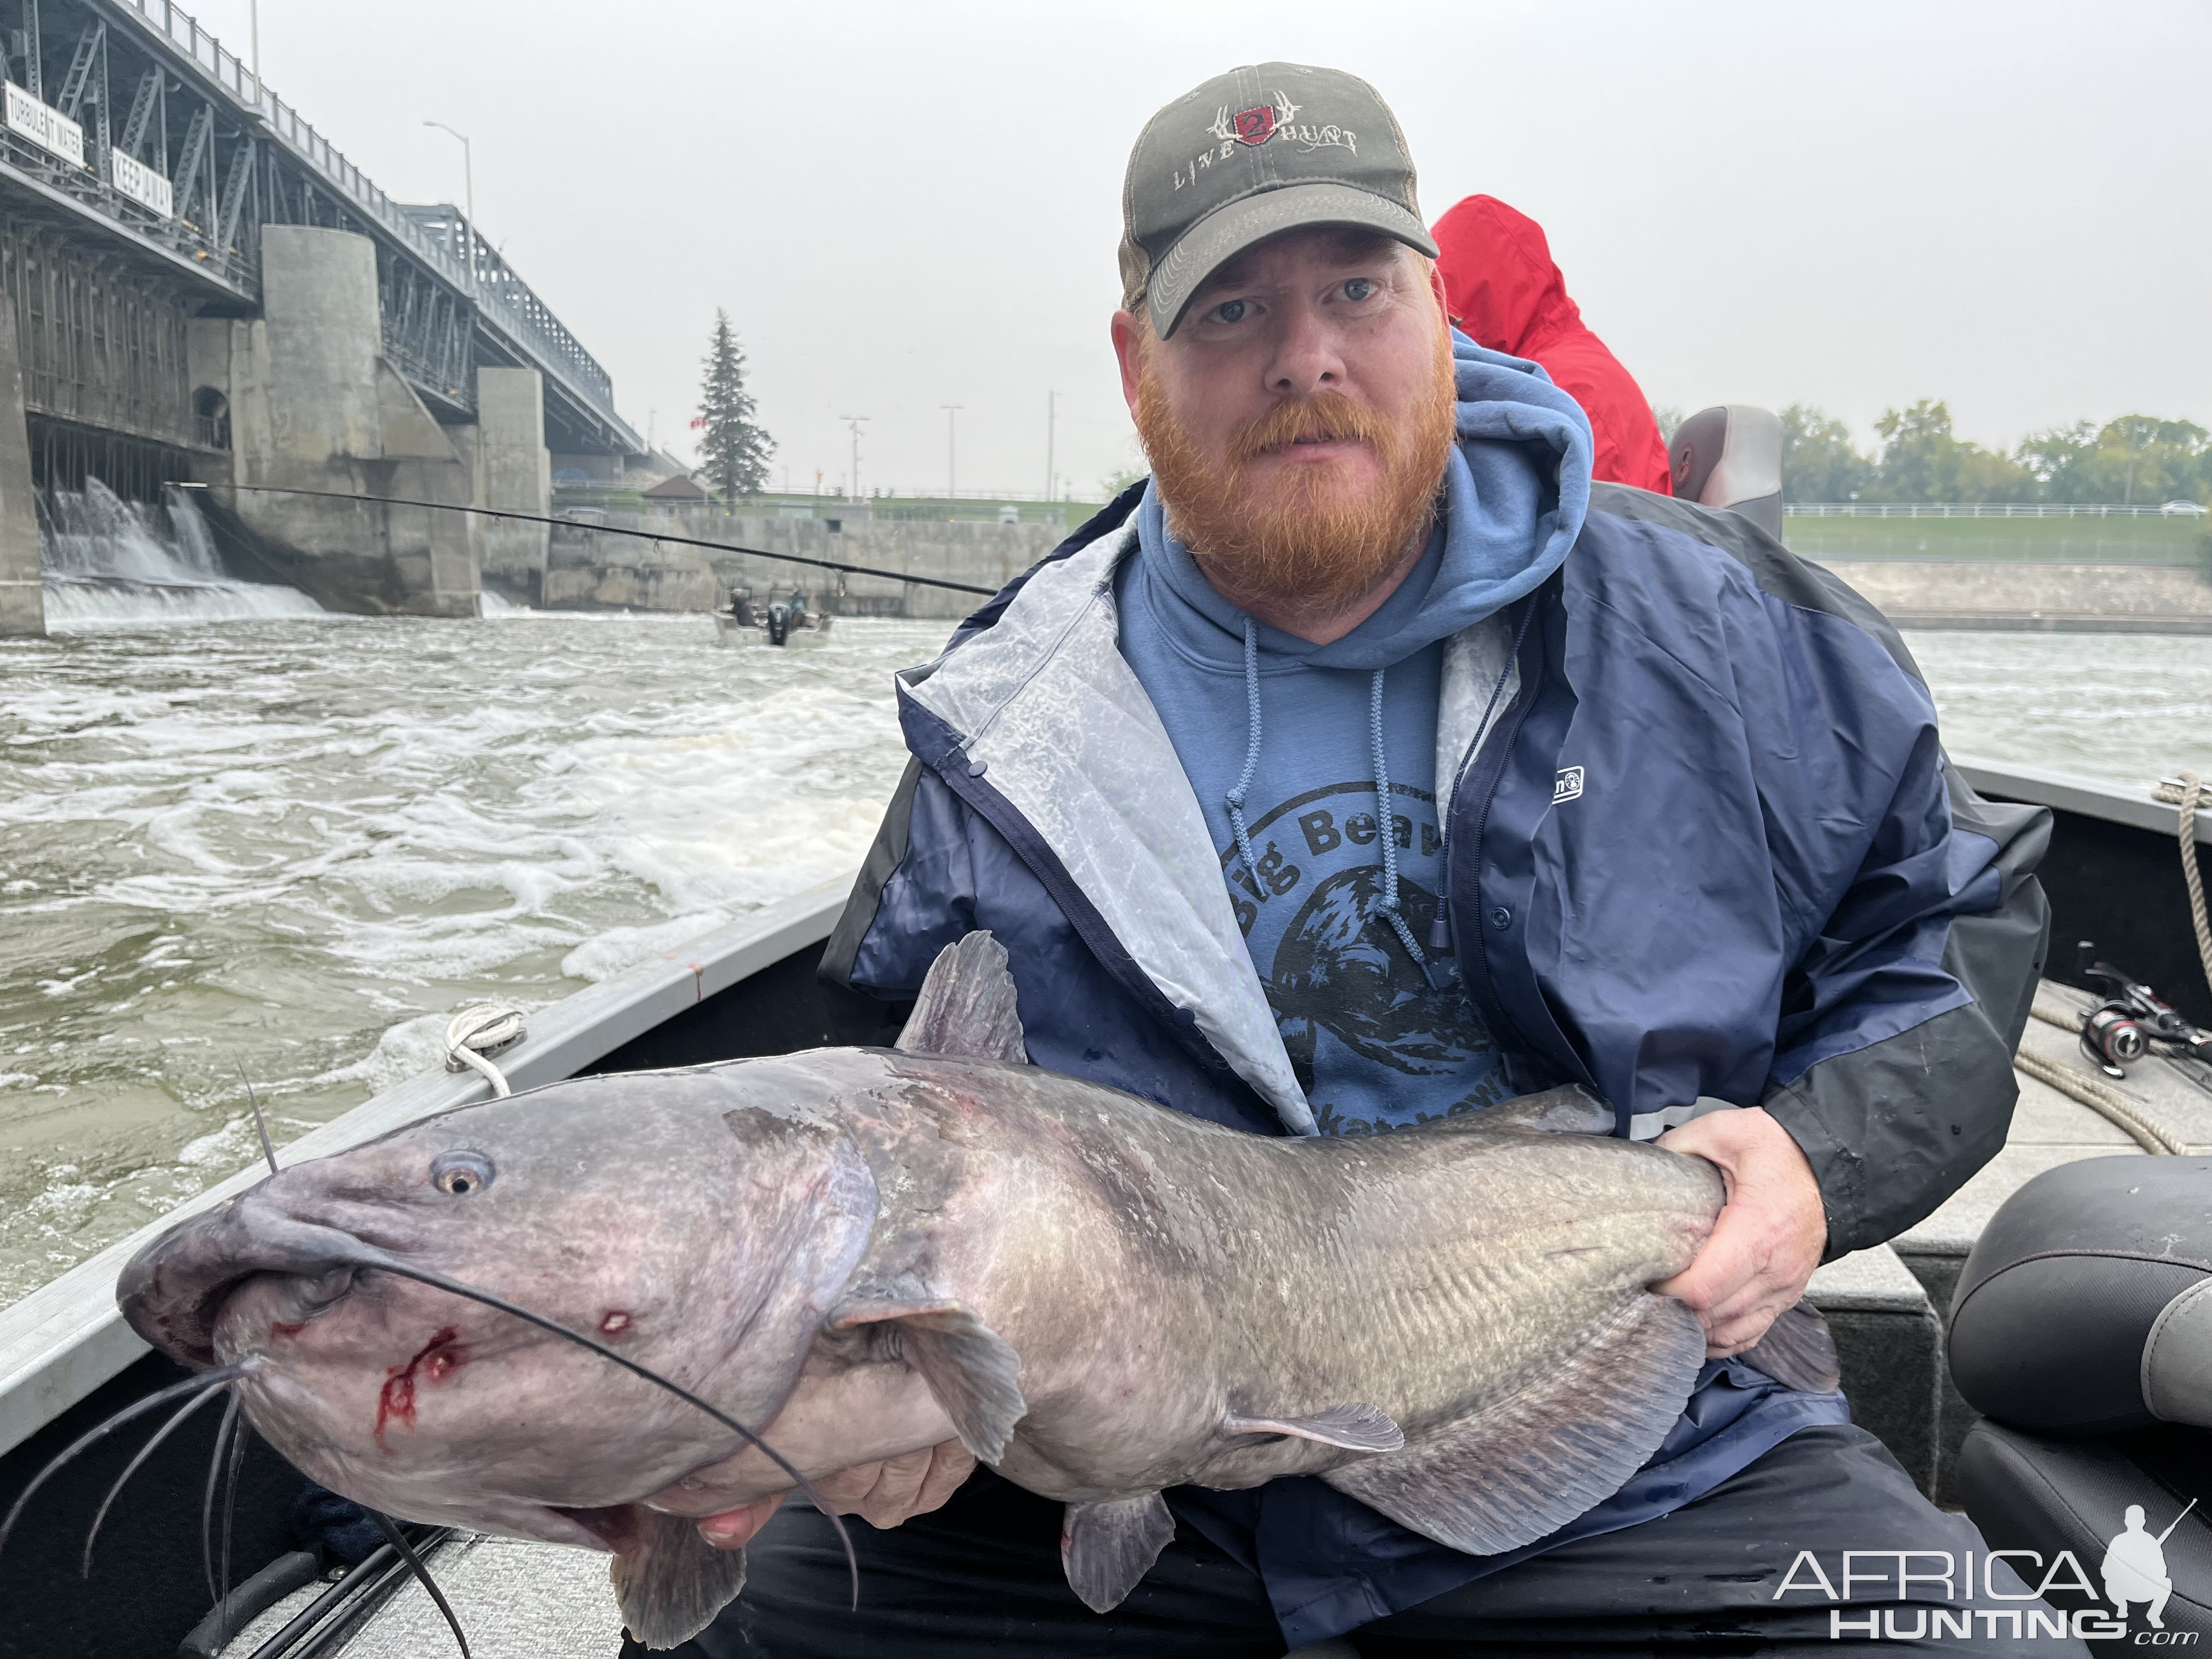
967, 1006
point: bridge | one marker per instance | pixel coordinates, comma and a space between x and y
195, 274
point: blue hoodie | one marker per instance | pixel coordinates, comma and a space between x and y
1291, 747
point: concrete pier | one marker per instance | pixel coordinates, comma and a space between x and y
315, 405
2035, 596
513, 473
22, 600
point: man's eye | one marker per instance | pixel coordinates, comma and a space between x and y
1229, 310
1359, 288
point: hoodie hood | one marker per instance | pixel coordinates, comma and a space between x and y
1501, 285
1516, 491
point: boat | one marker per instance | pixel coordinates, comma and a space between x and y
785, 622
67, 1361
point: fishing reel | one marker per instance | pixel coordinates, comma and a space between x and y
2120, 1029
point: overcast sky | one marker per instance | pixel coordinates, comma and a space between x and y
905, 205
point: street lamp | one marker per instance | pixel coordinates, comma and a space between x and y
853, 422
468, 196
951, 471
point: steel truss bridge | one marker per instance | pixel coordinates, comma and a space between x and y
139, 160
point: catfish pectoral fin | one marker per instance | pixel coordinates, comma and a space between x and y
1105, 1548
1798, 1351
973, 1372
669, 1582
1356, 1427
1527, 1466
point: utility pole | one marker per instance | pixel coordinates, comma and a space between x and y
1051, 412
951, 471
253, 35
468, 195
853, 422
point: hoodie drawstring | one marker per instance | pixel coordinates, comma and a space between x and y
1386, 831
1234, 800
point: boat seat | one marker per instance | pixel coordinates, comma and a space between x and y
2081, 1331
1730, 456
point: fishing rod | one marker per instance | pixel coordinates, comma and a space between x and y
605, 530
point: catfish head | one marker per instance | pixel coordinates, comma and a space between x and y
698, 1223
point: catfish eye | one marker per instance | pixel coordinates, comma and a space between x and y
460, 1172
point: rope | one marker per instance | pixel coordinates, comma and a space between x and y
2192, 791
2108, 1103
1383, 828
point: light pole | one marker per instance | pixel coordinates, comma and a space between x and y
951, 472
853, 422
253, 35
468, 194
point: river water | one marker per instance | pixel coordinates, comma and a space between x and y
240, 836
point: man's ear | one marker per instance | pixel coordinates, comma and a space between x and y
1437, 288
1128, 349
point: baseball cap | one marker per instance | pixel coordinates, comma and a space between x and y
1264, 148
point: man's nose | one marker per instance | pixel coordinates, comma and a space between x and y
1306, 359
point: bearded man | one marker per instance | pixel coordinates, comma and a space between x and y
1364, 766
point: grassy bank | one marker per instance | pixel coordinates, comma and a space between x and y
2143, 540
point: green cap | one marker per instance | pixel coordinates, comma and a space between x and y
1262, 149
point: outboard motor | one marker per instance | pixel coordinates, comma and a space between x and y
2083, 1332
1731, 456
779, 623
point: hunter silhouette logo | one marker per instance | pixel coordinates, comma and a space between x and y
2134, 1567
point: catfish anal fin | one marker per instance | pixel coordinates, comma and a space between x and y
1356, 1427
1798, 1351
967, 1006
669, 1582
1528, 1465
973, 1371
1106, 1548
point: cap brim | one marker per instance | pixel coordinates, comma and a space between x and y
1228, 231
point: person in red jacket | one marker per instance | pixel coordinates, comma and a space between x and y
1503, 291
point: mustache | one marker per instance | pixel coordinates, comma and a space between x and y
1316, 415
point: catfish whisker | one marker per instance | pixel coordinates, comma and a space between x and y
455, 1287
241, 1433
398, 1540
207, 1502
134, 1465
207, 1380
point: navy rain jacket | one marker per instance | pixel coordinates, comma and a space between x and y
1711, 851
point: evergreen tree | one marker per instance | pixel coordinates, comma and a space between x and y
733, 446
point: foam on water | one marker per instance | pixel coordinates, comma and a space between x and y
108, 561
296, 844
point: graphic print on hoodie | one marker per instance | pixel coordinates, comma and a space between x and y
1376, 1044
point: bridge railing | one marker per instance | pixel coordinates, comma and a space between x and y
507, 299
1985, 510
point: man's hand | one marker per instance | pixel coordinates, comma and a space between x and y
882, 1494
1769, 1234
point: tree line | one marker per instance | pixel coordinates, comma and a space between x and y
2142, 459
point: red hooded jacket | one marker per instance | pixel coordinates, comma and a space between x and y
1505, 292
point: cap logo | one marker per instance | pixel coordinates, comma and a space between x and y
1250, 127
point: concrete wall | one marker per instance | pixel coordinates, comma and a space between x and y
22, 600
2034, 595
514, 473
315, 406
588, 570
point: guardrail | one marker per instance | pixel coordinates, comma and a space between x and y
512, 307
1987, 510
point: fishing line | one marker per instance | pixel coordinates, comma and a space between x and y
607, 530
454, 1287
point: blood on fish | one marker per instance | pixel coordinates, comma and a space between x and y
397, 1398
617, 1321
286, 1327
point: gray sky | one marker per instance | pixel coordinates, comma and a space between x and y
905, 205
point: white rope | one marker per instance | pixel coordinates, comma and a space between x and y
2193, 792
2108, 1103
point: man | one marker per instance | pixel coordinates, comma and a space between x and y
1503, 290
1364, 767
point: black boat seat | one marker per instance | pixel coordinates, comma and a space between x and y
2082, 1331
1730, 456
